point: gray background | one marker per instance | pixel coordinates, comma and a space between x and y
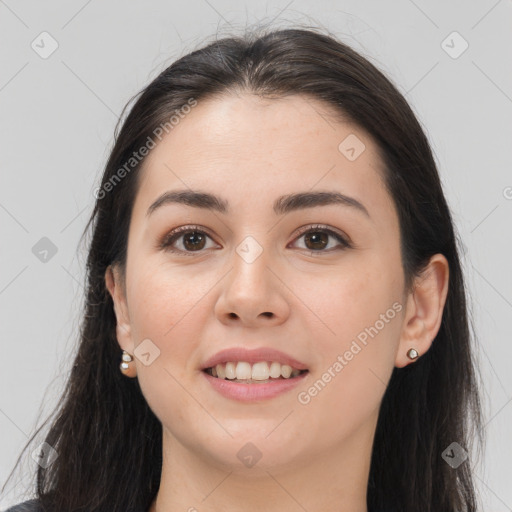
57, 121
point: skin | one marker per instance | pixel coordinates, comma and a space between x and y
249, 151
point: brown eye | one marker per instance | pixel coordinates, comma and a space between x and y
188, 239
194, 240
316, 239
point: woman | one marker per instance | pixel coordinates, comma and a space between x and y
276, 315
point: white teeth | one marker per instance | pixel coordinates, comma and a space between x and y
260, 371
243, 370
230, 371
286, 371
221, 371
275, 370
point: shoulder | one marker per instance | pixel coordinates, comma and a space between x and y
26, 506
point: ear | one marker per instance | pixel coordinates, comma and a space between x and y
424, 309
116, 287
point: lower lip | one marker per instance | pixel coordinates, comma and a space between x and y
253, 392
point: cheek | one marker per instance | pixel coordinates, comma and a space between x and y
166, 307
350, 298
354, 368
165, 302
360, 313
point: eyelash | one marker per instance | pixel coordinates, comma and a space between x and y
170, 238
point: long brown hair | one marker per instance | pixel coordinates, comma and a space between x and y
109, 441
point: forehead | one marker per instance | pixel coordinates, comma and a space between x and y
236, 144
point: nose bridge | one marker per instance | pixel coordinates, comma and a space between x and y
250, 260
251, 289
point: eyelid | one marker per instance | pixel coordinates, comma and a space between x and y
323, 227
343, 240
165, 241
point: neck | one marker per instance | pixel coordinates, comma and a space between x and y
330, 480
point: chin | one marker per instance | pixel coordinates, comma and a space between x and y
256, 448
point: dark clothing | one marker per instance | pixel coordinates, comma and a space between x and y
29, 506
26, 506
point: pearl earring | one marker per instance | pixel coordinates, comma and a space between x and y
125, 366
412, 353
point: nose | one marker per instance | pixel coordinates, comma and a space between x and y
253, 294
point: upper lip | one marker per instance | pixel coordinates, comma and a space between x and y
252, 356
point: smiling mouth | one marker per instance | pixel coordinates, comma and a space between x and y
258, 373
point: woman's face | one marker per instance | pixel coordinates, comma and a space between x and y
262, 274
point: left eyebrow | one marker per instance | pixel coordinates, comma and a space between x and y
283, 204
